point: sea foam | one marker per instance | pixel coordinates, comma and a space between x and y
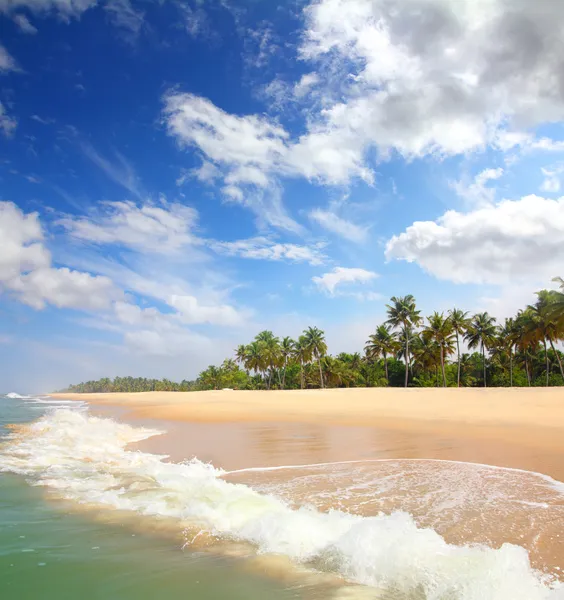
84, 459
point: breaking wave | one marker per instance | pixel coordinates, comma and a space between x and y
84, 459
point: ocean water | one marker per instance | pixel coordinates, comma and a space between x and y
81, 513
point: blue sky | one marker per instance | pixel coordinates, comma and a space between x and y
176, 176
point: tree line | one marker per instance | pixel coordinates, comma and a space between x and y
405, 350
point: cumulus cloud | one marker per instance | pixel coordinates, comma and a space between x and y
502, 243
262, 248
64, 288
8, 124
146, 227
26, 271
328, 282
339, 226
430, 76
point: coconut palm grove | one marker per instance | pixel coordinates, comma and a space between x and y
456, 349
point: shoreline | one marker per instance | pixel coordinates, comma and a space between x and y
516, 428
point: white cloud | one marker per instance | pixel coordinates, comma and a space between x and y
65, 289
7, 62
253, 151
511, 241
551, 182
122, 14
118, 169
305, 84
8, 124
548, 144
426, 77
228, 140
26, 271
335, 224
22, 248
207, 172
191, 311
262, 248
328, 282
24, 24
147, 227
64, 9
478, 193
248, 151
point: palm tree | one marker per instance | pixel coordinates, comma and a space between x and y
440, 330
459, 322
426, 354
403, 314
286, 351
508, 336
548, 323
557, 302
302, 353
315, 340
241, 354
271, 352
481, 332
523, 340
382, 343
254, 357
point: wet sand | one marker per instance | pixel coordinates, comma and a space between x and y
518, 428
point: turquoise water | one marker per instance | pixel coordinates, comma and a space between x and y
49, 552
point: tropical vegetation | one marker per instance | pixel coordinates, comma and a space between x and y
451, 349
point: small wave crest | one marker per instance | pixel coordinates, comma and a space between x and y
16, 396
84, 458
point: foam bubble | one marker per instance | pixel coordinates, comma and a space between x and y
84, 459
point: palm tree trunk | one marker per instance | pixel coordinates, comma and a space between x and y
484, 360
284, 374
320, 371
546, 360
458, 354
443, 365
386, 367
557, 357
527, 370
406, 358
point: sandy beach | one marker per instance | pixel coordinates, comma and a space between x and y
542, 407
424, 451
518, 428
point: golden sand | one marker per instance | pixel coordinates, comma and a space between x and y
520, 428
543, 407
